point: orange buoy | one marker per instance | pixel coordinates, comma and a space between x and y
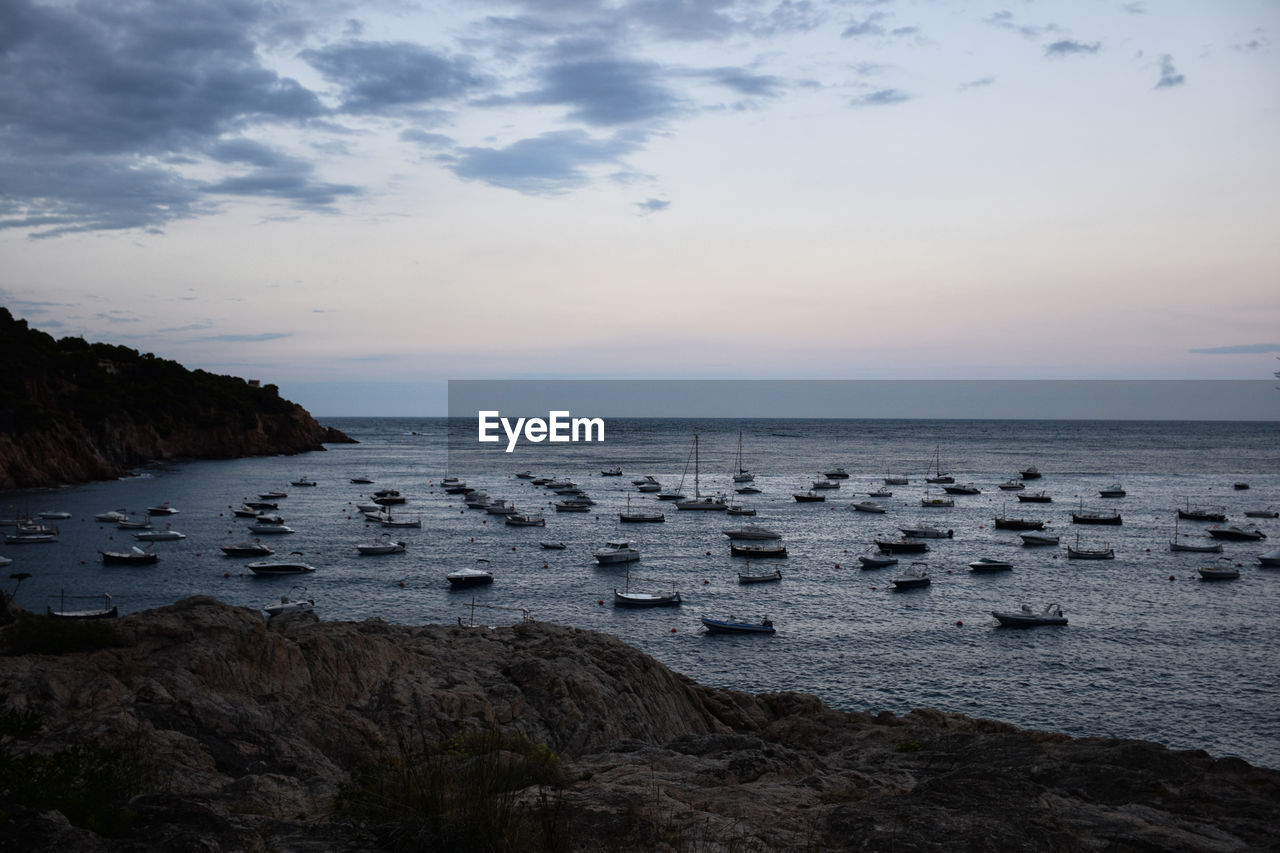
959, 624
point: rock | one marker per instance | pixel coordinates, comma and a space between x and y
253, 728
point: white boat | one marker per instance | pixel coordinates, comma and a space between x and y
775, 575
825, 484
734, 625
303, 481
1223, 570
699, 502
879, 493
1035, 497
385, 545
740, 474
106, 611
162, 509
50, 515
1115, 490
30, 538
650, 487
988, 564
922, 531
135, 556
748, 490
868, 506
361, 480
478, 576
5, 561
751, 531
1038, 539
1012, 485
646, 480
1261, 513
247, 549
1271, 559
579, 504
552, 546
518, 520
112, 516
281, 567
877, 561
144, 524
290, 605
166, 535
757, 549
916, 575
1179, 543
500, 507
271, 528
245, 511
1025, 617
627, 598
616, 551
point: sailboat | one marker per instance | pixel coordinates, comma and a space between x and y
1177, 543
938, 476
678, 494
742, 475
700, 502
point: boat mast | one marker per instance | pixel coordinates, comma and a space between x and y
696, 492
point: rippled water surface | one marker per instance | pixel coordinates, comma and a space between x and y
1151, 651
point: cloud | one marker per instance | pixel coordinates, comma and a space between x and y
652, 205
981, 82
880, 98
1169, 76
603, 89
425, 139
549, 164
744, 82
264, 336
1238, 349
277, 175
377, 76
868, 26
683, 20
1004, 20
193, 327
1067, 47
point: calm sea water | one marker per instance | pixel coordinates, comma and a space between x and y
1151, 651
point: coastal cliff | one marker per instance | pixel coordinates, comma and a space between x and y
299, 734
71, 412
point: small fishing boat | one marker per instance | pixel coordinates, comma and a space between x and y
902, 546
1237, 533
924, 531
1261, 513
868, 506
106, 611
281, 567
1034, 497
739, 509
880, 493
930, 502
988, 564
877, 561
400, 522
1223, 570
52, 515
627, 598
809, 497
1179, 543
1090, 517
916, 575
825, 484
1005, 523
135, 556
384, 545
775, 575
1115, 490
1012, 486
30, 538
1077, 553
552, 546
303, 481
757, 549
144, 524
518, 520
1034, 539
1025, 617
734, 625
640, 516
751, 531
611, 472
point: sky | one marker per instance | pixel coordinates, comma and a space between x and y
360, 201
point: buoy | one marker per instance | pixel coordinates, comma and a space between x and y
473, 538
708, 553
837, 565
545, 566
959, 624
705, 581
402, 584
226, 574
1170, 577
513, 547
82, 562
673, 630
601, 601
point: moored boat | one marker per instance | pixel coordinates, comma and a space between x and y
1025, 617
916, 575
734, 625
775, 575
616, 551
989, 564
106, 611
1223, 570
281, 567
1236, 533
757, 549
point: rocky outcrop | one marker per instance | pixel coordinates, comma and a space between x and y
73, 412
255, 726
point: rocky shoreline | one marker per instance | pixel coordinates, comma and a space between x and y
251, 729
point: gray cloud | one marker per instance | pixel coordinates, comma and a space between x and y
868, 26
193, 327
976, 84
1238, 349
425, 139
264, 336
1169, 76
1004, 20
549, 164
744, 82
880, 98
601, 89
1067, 47
377, 76
652, 205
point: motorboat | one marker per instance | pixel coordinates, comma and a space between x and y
388, 521
809, 497
1223, 570
877, 561
616, 551
247, 549
500, 507
962, 489
1271, 559
880, 493
627, 598
1115, 490
825, 484
734, 625
868, 506
384, 545
1262, 513
361, 480
1031, 472
552, 546
166, 535
1006, 523
53, 515
1240, 486
611, 472
5, 561
524, 475
739, 509
1035, 497
289, 605
274, 495
518, 520
1025, 617
281, 567
757, 549
475, 500
988, 564
29, 538
135, 556
261, 505
162, 509
902, 546
391, 497
574, 505
751, 531
269, 527
836, 473
303, 481
1034, 539
749, 490
775, 575
653, 487
916, 575
112, 516
106, 611
478, 576
1012, 485
1236, 533
922, 531
245, 511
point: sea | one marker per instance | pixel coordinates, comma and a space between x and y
1151, 650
